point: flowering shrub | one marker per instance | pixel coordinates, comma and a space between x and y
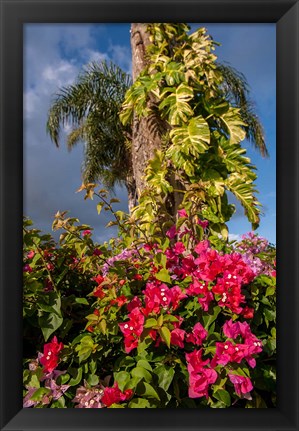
176, 320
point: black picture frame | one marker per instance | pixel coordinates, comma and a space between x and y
15, 13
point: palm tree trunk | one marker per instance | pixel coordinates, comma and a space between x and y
147, 131
146, 137
132, 194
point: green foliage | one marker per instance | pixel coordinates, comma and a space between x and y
91, 289
205, 129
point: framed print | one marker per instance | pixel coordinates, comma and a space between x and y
177, 309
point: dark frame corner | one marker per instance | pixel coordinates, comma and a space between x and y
285, 13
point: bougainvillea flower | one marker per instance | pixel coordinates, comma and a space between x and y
171, 233
248, 312
242, 385
50, 357
199, 383
30, 254
132, 329
89, 398
156, 296
200, 288
195, 361
177, 337
120, 301
114, 395
176, 296
135, 303
182, 213
27, 268
201, 376
179, 248
197, 335
86, 232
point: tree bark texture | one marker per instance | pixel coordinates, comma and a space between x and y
146, 131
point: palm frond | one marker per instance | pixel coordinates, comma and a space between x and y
236, 89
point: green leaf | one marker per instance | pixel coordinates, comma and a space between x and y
39, 393
139, 403
81, 301
233, 125
145, 390
99, 207
144, 364
132, 384
116, 406
176, 105
92, 380
49, 323
163, 275
270, 290
224, 396
209, 318
165, 335
192, 138
141, 373
165, 375
150, 323
122, 378
270, 314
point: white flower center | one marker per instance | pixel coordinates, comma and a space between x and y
131, 328
164, 299
126, 326
236, 349
226, 347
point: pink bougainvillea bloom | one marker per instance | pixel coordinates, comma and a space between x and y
248, 312
182, 213
50, 357
198, 335
86, 232
177, 337
97, 252
27, 268
135, 303
195, 361
179, 248
200, 288
199, 383
203, 223
156, 296
30, 254
201, 376
176, 296
171, 233
120, 301
223, 354
242, 385
89, 398
114, 395
132, 329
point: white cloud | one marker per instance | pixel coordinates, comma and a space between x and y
234, 237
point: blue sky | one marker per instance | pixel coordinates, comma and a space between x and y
54, 54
